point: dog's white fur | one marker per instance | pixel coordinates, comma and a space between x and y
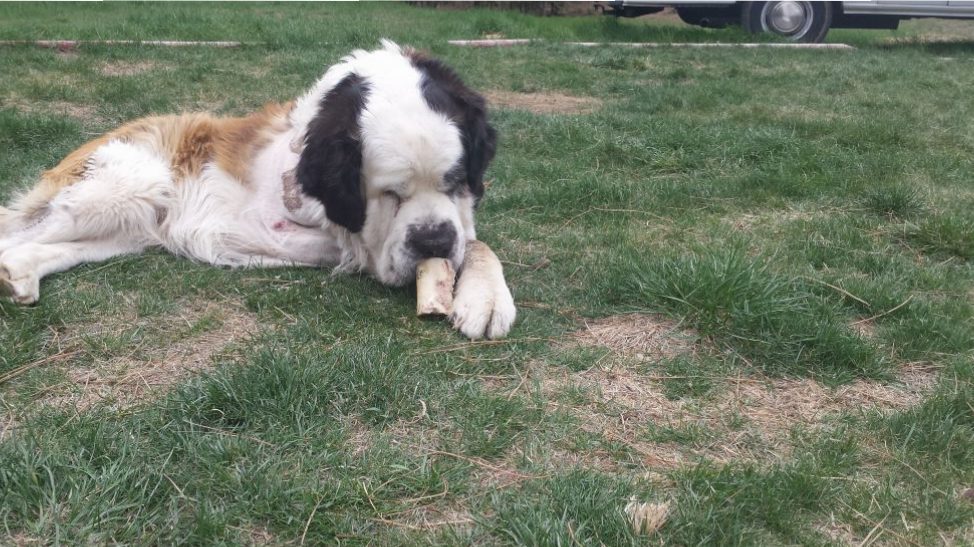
132, 194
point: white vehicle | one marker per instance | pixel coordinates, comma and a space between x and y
800, 21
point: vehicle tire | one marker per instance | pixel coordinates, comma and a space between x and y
807, 22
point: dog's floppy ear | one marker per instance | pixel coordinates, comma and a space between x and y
330, 166
446, 93
479, 145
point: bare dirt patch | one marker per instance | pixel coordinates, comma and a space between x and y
124, 68
188, 340
543, 103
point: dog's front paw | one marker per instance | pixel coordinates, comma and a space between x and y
22, 288
483, 308
482, 304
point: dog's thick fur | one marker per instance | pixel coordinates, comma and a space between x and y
378, 166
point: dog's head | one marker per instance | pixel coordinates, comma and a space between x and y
396, 152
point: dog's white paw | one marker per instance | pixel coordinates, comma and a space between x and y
21, 287
483, 308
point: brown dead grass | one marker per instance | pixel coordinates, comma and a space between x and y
430, 516
865, 329
126, 68
771, 219
839, 533
640, 336
188, 341
420, 438
359, 435
751, 420
7, 426
21, 539
543, 103
261, 536
646, 518
416, 436
946, 32
83, 112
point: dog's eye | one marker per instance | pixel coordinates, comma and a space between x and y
392, 195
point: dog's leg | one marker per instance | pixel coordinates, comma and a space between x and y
236, 259
482, 304
123, 192
11, 223
6, 221
22, 267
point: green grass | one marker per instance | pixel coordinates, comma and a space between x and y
807, 214
764, 318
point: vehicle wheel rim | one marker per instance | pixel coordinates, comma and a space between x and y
791, 19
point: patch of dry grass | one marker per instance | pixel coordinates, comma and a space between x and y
24, 540
543, 103
640, 336
257, 536
647, 518
7, 426
750, 420
933, 31
125, 68
839, 533
196, 333
82, 112
771, 219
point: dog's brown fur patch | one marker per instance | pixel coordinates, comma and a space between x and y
190, 141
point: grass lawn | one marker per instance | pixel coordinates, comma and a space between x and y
744, 280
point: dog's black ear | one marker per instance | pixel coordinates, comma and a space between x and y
446, 93
479, 146
330, 166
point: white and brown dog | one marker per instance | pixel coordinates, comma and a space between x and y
377, 167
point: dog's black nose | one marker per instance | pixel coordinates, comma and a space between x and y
432, 240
